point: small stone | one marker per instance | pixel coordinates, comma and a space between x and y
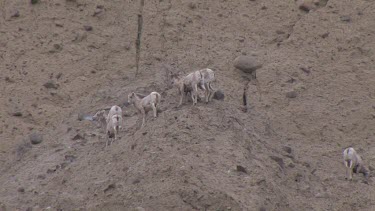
192, 5
345, 18
7, 79
219, 95
50, 85
34, 1
241, 169
287, 149
17, 113
36, 138
325, 35
59, 24
41, 176
16, 14
78, 137
278, 160
291, 94
21, 190
247, 64
58, 76
97, 11
87, 28
307, 6
305, 70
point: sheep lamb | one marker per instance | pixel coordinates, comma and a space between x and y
354, 164
112, 122
145, 103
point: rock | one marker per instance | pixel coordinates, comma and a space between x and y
262, 209
59, 24
110, 187
34, 1
7, 79
322, 195
16, 14
58, 76
51, 85
82, 116
17, 113
21, 190
307, 6
192, 5
287, 149
36, 138
278, 160
98, 10
325, 35
247, 64
219, 95
80, 36
87, 28
291, 94
41, 176
78, 137
241, 169
345, 18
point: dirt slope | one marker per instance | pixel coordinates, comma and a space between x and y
54, 66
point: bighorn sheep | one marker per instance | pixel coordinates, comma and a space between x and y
208, 77
113, 127
145, 103
112, 120
353, 163
190, 84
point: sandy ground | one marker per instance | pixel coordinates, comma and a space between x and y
60, 58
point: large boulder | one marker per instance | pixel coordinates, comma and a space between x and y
247, 64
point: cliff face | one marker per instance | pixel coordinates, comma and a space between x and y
314, 96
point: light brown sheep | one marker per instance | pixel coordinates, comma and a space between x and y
145, 103
206, 84
354, 163
188, 83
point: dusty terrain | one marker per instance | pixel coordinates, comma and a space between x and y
59, 58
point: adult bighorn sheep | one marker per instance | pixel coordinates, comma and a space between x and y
201, 79
354, 163
145, 103
112, 121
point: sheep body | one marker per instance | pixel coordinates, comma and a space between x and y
145, 103
190, 84
113, 127
111, 122
354, 163
206, 84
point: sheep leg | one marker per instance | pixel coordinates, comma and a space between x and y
154, 109
211, 91
207, 93
143, 117
350, 169
195, 99
106, 143
181, 96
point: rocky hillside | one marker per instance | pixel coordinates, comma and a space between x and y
313, 97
